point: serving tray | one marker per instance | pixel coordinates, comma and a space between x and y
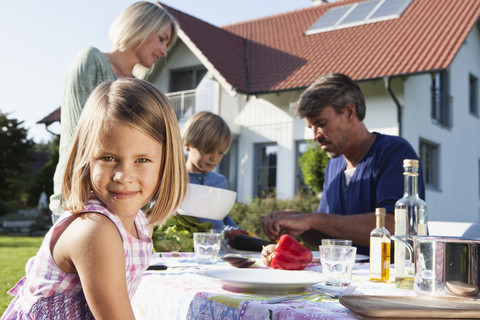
410, 307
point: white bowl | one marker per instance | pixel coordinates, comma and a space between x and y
207, 202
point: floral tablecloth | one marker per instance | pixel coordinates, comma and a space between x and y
180, 293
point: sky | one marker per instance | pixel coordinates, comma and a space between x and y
39, 39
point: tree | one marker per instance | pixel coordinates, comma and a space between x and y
43, 181
16, 153
313, 163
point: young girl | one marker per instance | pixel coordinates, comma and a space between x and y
126, 152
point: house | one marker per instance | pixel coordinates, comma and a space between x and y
417, 62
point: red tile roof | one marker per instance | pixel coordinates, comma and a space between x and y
51, 118
274, 54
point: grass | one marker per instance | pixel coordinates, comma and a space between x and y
14, 254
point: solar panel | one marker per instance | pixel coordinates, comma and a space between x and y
359, 13
330, 18
391, 8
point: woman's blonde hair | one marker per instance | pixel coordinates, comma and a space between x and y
141, 105
138, 22
207, 132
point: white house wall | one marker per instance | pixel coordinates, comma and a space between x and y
381, 112
263, 122
457, 197
179, 57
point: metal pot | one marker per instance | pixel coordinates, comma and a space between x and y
445, 265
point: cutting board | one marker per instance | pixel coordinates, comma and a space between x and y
410, 307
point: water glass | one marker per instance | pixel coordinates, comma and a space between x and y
224, 238
336, 242
206, 246
337, 264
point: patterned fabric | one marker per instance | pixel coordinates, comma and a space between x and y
46, 292
202, 308
293, 310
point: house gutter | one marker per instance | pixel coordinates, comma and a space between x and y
387, 80
247, 73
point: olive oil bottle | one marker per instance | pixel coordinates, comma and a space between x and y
380, 242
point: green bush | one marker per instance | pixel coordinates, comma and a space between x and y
6, 207
43, 180
313, 163
249, 216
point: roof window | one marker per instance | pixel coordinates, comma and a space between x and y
359, 13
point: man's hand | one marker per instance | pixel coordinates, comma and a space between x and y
290, 222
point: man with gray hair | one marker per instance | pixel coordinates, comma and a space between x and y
365, 170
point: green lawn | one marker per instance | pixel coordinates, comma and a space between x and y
14, 254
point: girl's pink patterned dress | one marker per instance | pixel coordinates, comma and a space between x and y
46, 292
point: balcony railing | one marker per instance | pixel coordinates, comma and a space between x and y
182, 101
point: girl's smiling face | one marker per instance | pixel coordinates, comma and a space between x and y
125, 171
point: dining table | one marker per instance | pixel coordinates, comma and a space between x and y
180, 288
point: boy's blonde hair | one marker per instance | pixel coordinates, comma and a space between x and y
138, 22
207, 132
141, 105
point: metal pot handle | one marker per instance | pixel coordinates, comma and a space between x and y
409, 247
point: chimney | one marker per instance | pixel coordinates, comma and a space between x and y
318, 2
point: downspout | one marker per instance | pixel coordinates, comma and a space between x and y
247, 73
387, 80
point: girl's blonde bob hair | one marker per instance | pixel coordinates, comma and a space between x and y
138, 22
207, 132
141, 105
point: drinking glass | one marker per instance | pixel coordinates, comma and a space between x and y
337, 264
336, 242
206, 246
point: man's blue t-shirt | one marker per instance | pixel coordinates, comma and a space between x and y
213, 179
377, 182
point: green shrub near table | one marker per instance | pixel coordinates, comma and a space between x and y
249, 216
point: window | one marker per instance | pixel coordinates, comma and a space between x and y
228, 165
441, 99
186, 79
300, 148
473, 94
429, 160
265, 170
359, 13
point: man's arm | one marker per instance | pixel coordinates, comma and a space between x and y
355, 227
312, 227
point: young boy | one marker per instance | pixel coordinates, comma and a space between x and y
207, 137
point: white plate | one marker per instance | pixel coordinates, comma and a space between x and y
361, 257
265, 280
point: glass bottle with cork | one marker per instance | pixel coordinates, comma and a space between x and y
380, 242
410, 220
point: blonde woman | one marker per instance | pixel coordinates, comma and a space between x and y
126, 152
139, 36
